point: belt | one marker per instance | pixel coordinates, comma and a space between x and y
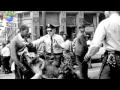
114, 52
54, 54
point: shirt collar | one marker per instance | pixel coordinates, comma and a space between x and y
52, 36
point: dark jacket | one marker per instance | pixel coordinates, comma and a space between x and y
81, 45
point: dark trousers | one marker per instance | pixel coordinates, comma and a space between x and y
0, 60
82, 67
109, 72
18, 73
5, 63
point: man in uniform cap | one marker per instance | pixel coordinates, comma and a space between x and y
51, 41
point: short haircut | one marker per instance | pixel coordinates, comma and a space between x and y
24, 27
8, 41
82, 26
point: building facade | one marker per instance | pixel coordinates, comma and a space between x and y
67, 21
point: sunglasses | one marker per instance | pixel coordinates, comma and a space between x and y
49, 30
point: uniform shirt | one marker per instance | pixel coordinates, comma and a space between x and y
108, 32
5, 51
57, 39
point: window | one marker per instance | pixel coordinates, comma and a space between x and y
57, 29
41, 31
88, 18
27, 14
71, 20
20, 16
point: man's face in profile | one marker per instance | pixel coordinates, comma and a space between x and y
107, 14
82, 30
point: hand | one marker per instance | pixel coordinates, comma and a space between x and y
24, 69
87, 58
29, 44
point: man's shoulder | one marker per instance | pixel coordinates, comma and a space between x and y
15, 38
105, 21
45, 36
57, 35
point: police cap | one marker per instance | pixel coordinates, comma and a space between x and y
50, 26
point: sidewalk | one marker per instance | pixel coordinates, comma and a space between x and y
93, 73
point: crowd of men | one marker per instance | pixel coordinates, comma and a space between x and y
55, 52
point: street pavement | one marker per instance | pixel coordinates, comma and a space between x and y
92, 72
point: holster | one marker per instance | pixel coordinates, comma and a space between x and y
113, 58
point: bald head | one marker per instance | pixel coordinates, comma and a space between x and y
107, 14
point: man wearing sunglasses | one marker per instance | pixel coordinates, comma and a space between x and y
51, 41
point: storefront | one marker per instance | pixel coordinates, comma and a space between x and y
71, 24
51, 18
92, 20
67, 21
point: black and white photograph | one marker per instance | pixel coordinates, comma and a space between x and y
60, 45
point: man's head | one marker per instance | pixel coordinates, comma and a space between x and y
64, 36
82, 29
73, 35
51, 29
107, 14
24, 30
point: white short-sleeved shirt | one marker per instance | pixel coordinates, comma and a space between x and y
5, 51
108, 32
57, 39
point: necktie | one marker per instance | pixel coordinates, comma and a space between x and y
51, 45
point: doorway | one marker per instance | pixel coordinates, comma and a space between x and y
70, 31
